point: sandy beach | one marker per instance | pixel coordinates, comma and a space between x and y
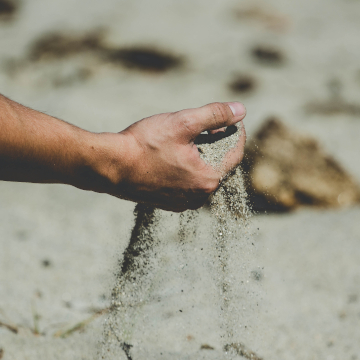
60, 246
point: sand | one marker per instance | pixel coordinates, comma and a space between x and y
305, 264
139, 279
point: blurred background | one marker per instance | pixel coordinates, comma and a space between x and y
102, 65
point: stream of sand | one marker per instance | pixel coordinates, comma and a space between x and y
217, 240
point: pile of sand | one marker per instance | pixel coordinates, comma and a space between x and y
286, 170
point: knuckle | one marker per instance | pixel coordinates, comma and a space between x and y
210, 186
220, 112
186, 122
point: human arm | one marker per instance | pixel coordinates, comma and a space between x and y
153, 161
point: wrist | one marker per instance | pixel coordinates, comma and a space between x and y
107, 159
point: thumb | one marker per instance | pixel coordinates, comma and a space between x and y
212, 116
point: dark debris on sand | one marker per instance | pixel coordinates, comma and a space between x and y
144, 58
286, 170
56, 46
242, 84
8, 9
268, 55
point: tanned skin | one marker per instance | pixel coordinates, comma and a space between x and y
153, 161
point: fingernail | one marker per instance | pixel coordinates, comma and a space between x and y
237, 108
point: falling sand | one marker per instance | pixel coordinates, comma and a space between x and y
196, 263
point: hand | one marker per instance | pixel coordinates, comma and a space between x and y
159, 163
154, 161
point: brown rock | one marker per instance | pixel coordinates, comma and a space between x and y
285, 170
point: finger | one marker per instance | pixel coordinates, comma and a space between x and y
211, 117
234, 155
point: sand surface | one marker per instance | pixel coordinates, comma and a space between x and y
60, 246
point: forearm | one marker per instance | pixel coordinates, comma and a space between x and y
35, 147
154, 161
